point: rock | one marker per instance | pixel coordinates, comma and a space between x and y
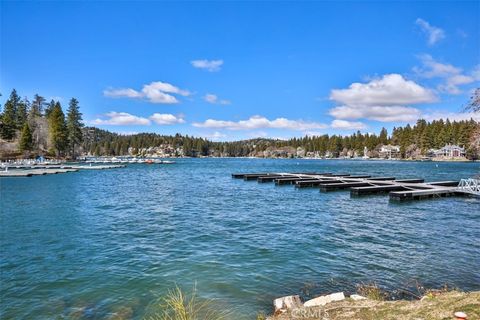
122, 313
460, 315
287, 303
357, 297
323, 300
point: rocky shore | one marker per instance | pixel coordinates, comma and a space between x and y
434, 305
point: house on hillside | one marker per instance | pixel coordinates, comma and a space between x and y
389, 151
449, 151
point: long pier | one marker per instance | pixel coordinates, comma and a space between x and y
361, 185
29, 171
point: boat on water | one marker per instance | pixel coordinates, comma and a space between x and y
156, 161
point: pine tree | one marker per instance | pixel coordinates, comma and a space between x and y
9, 116
49, 108
26, 140
74, 126
22, 112
383, 138
37, 106
58, 129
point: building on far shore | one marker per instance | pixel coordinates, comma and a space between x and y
389, 151
449, 151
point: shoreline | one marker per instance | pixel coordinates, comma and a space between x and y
114, 159
432, 305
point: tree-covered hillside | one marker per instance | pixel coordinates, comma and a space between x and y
40, 128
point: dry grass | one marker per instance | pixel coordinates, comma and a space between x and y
179, 305
372, 291
440, 306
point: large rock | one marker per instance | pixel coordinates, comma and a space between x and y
287, 303
357, 297
323, 300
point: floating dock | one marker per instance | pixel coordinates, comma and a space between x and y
362, 185
29, 171
33, 172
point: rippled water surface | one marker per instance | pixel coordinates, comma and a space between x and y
93, 244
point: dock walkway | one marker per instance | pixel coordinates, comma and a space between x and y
40, 170
361, 185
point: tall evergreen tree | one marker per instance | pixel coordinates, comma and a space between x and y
58, 129
49, 108
22, 112
383, 138
26, 139
37, 106
74, 125
9, 116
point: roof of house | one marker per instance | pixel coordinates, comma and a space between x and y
452, 147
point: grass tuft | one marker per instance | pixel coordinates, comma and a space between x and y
372, 291
179, 305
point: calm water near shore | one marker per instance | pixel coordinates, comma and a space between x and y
92, 243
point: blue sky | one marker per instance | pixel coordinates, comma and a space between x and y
234, 70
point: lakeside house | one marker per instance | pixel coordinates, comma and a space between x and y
389, 151
449, 151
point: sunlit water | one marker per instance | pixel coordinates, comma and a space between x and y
91, 243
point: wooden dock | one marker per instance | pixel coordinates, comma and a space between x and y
33, 172
29, 171
360, 185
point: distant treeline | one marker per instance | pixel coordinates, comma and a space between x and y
41, 128
418, 138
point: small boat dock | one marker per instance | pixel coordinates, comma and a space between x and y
40, 170
362, 185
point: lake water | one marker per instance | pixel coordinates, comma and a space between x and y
91, 243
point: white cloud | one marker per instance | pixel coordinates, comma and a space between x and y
453, 76
378, 113
213, 99
391, 89
155, 92
126, 119
216, 136
434, 34
344, 124
209, 65
260, 122
166, 119
122, 119
159, 92
313, 133
381, 99
437, 115
452, 84
434, 69
118, 93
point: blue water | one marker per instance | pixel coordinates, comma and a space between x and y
91, 243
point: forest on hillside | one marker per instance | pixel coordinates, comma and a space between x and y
413, 140
37, 127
